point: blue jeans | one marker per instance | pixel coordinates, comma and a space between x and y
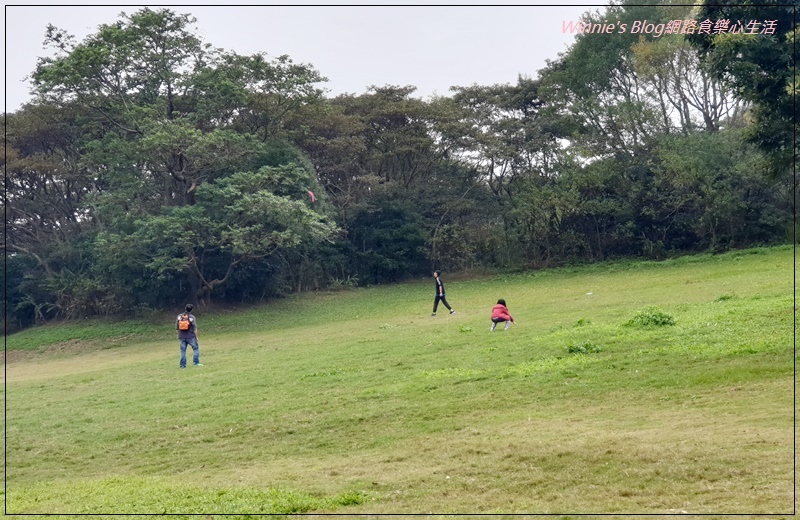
195, 348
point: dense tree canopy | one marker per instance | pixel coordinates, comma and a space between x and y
759, 63
153, 169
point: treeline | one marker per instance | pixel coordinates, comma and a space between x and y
153, 169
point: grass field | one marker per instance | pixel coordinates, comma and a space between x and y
360, 402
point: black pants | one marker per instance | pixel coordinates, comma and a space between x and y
437, 300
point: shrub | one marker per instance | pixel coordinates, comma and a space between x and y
350, 498
337, 284
650, 316
584, 347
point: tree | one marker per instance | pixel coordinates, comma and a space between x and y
398, 146
596, 95
45, 190
758, 62
509, 139
333, 138
170, 125
241, 218
389, 239
386, 147
255, 94
47, 227
683, 86
715, 185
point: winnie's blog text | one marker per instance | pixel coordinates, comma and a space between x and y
724, 26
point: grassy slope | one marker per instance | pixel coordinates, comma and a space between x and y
360, 402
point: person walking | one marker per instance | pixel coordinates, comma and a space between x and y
186, 325
500, 314
440, 295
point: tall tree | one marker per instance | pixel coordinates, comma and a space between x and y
688, 95
509, 138
238, 219
48, 229
758, 58
168, 118
594, 89
45, 191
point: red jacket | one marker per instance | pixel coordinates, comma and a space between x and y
500, 311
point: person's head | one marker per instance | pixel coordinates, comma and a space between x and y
436, 273
501, 301
189, 307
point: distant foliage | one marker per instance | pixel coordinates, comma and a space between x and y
185, 176
650, 317
348, 282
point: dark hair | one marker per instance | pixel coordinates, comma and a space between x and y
437, 272
189, 307
501, 301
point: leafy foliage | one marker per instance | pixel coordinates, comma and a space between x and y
154, 169
650, 316
761, 69
583, 347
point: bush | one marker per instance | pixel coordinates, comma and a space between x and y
585, 347
650, 317
337, 284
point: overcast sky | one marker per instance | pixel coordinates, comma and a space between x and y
432, 48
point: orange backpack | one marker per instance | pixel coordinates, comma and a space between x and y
183, 322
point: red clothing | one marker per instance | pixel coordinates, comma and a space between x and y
500, 311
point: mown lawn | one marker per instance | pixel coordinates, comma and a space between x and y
360, 402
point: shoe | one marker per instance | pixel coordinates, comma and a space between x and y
182, 367
199, 365
434, 314
452, 312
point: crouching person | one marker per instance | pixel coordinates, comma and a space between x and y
500, 314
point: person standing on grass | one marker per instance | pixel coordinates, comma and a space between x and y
186, 325
440, 297
500, 314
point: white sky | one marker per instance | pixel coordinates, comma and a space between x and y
432, 48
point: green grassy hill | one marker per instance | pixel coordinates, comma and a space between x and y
360, 402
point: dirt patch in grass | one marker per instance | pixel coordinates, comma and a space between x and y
66, 348
70, 347
77, 357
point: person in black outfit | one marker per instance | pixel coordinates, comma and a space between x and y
440, 296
